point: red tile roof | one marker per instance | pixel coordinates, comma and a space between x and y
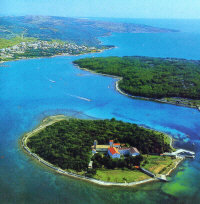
117, 144
137, 167
113, 150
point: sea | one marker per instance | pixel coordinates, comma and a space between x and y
33, 89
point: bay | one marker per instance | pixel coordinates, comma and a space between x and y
27, 95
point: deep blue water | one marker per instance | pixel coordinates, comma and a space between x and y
27, 96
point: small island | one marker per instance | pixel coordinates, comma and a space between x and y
105, 152
167, 80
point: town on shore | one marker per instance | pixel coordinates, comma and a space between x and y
30, 48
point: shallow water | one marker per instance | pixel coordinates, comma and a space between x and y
27, 95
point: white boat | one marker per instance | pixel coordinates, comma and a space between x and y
52, 81
82, 98
79, 97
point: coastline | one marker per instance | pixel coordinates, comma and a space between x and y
136, 97
56, 55
176, 165
115, 77
151, 99
52, 119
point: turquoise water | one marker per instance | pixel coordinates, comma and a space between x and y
27, 95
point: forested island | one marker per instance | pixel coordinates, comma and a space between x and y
167, 79
66, 144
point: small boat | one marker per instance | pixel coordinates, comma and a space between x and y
79, 97
52, 81
82, 98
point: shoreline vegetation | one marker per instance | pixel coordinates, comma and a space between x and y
105, 70
51, 120
185, 102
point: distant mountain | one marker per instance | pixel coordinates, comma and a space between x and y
79, 31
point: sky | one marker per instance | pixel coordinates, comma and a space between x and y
187, 9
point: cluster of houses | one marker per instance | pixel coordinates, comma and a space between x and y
114, 150
67, 48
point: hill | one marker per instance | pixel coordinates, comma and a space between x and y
76, 30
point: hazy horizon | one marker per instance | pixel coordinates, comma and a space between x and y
90, 17
143, 9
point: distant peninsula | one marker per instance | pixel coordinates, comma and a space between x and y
24, 37
168, 80
76, 30
126, 154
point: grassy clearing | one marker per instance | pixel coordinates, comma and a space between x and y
4, 43
158, 164
120, 176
